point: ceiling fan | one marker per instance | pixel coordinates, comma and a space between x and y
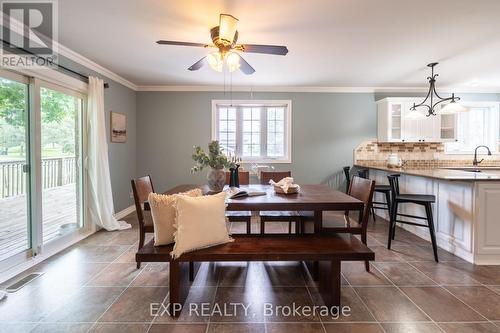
224, 37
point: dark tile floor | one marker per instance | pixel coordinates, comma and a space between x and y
94, 286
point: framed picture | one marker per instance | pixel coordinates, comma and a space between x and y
118, 127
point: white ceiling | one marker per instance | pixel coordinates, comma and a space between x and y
332, 43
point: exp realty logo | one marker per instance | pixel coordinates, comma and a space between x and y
29, 33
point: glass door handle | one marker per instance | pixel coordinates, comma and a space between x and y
26, 168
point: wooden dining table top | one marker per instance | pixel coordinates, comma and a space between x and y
314, 197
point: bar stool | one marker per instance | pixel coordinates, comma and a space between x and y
425, 200
384, 189
347, 173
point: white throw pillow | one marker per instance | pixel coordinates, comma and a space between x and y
200, 222
163, 214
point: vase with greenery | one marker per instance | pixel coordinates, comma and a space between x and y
217, 161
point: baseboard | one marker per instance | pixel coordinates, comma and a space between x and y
121, 214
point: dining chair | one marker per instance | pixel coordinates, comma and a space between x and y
243, 177
277, 216
379, 188
398, 199
243, 216
141, 188
361, 189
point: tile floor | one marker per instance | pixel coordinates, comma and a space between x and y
94, 286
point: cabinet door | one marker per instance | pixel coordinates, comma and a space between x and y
411, 127
448, 127
395, 121
430, 129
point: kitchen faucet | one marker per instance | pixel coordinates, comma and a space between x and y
475, 162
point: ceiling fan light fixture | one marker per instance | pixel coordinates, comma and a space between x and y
215, 61
227, 28
232, 61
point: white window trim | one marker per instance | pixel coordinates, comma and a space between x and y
288, 147
477, 104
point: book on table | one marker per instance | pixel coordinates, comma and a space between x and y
235, 193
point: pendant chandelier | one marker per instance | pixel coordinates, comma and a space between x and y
432, 100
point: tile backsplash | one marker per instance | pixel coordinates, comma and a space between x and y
417, 155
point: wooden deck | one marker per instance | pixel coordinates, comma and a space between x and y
59, 217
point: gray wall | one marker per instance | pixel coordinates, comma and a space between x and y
326, 127
122, 156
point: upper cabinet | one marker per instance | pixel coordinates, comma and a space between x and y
395, 126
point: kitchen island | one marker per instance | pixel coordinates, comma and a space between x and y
466, 212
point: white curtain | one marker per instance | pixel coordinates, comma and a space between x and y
100, 197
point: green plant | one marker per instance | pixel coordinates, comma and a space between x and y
216, 159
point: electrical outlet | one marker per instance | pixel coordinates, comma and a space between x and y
131, 194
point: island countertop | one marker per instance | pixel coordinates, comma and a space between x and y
486, 174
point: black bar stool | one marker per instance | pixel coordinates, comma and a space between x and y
425, 200
384, 189
347, 173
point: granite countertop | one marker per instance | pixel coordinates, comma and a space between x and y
486, 174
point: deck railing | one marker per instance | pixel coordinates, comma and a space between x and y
55, 172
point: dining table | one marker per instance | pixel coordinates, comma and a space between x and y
316, 198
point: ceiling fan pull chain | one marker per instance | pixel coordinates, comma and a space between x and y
224, 75
231, 87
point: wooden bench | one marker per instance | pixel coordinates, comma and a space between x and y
327, 249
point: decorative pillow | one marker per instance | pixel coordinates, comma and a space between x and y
163, 214
200, 222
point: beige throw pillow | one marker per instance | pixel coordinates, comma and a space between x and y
163, 214
200, 222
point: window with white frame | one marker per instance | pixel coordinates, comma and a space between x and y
256, 131
478, 126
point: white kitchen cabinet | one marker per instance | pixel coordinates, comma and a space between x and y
448, 128
395, 126
390, 120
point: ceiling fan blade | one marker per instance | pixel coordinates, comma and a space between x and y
266, 49
171, 42
245, 66
197, 65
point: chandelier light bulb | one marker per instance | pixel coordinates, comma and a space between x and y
414, 115
453, 107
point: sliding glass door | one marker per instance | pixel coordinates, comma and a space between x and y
41, 176
14, 157
61, 152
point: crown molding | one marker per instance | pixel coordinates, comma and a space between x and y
292, 89
284, 89
80, 59
66, 52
